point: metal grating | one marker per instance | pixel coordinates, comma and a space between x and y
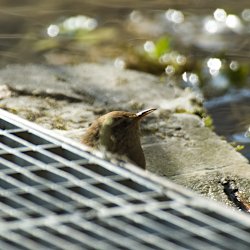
55, 195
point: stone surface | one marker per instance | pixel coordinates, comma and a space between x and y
193, 156
176, 142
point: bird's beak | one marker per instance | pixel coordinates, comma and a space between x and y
143, 113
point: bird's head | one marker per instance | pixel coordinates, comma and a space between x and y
118, 127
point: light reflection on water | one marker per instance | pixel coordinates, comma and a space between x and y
187, 23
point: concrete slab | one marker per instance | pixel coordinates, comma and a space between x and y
175, 140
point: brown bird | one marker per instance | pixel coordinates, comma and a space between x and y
118, 132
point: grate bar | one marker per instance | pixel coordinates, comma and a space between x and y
85, 239
175, 236
202, 232
52, 241
21, 242
5, 245
218, 225
102, 179
152, 239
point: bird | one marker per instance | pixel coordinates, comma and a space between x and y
118, 132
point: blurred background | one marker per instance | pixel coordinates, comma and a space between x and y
200, 45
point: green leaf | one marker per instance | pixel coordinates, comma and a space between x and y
162, 46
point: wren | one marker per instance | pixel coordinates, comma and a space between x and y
118, 132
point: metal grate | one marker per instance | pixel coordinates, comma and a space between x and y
55, 195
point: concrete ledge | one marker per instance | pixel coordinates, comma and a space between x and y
177, 145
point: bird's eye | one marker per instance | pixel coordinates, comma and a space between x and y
125, 122
122, 122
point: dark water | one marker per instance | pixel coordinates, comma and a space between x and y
200, 30
231, 118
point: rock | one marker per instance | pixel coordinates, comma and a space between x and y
97, 85
195, 157
4, 92
177, 145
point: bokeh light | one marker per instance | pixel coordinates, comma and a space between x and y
174, 16
149, 46
220, 15
53, 30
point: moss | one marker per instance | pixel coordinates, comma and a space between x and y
33, 116
198, 111
180, 111
237, 146
11, 110
59, 123
208, 121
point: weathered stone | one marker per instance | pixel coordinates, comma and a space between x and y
193, 156
177, 145
97, 86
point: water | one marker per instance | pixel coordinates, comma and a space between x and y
231, 118
210, 40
